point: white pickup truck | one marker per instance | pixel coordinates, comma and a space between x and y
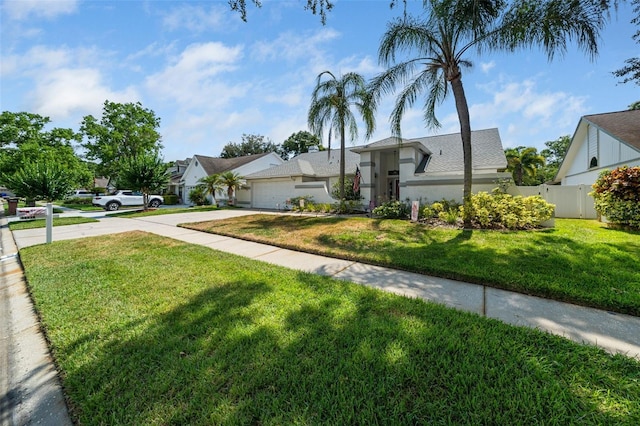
125, 198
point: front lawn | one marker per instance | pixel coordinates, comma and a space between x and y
42, 223
151, 330
163, 211
578, 261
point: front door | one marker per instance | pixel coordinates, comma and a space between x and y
393, 188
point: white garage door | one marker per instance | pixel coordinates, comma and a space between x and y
269, 195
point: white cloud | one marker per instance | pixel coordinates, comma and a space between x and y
63, 92
63, 81
194, 79
487, 66
25, 9
197, 19
292, 47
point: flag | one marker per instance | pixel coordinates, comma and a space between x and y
356, 181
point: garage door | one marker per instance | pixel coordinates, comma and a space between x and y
270, 195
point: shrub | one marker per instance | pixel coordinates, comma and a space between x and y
392, 210
503, 210
308, 202
347, 206
198, 196
78, 200
349, 194
617, 196
170, 199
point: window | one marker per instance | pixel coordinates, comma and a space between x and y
593, 146
422, 167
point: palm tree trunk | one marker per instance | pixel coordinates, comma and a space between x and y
342, 157
465, 132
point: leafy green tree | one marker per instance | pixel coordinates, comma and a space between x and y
124, 131
299, 143
41, 179
251, 144
212, 184
631, 71
437, 43
319, 7
554, 155
635, 105
232, 181
21, 127
524, 164
24, 141
331, 104
146, 172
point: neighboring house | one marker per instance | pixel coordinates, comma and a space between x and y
201, 166
176, 172
427, 169
601, 141
311, 173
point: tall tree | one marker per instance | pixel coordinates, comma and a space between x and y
40, 179
24, 141
146, 172
631, 71
232, 181
436, 46
554, 155
299, 143
124, 131
251, 144
524, 163
212, 184
331, 104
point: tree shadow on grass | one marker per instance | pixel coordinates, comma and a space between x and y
326, 352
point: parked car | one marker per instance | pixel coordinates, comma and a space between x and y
81, 193
125, 198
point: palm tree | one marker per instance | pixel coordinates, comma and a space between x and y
331, 104
212, 185
523, 161
437, 46
232, 181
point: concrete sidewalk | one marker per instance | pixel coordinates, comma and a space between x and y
615, 333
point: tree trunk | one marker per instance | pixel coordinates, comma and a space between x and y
465, 132
342, 157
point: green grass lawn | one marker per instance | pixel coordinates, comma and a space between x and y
151, 330
579, 261
42, 223
158, 212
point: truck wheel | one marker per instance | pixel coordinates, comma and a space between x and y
112, 206
154, 203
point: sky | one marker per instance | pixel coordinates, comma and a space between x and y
210, 77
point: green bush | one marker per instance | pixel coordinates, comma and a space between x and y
392, 210
308, 202
170, 199
617, 196
198, 196
78, 200
347, 206
504, 210
349, 193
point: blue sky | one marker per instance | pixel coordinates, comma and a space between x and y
211, 77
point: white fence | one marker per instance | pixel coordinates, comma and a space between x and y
572, 201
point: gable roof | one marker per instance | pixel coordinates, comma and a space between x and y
215, 165
622, 125
320, 164
446, 150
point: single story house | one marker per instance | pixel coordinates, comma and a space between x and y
427, 169
202, 166
601, 141
311, 173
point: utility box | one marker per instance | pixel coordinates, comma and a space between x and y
13, 206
